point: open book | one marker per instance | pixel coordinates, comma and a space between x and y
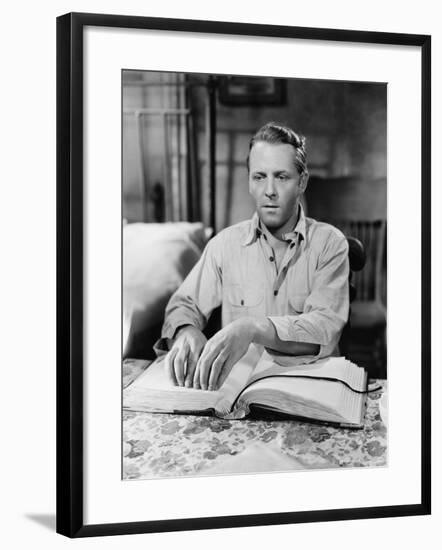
327, 390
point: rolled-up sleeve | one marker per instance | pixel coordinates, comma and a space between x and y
196, 298
326, 308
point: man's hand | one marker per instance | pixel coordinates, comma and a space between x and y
181, 360
221, 353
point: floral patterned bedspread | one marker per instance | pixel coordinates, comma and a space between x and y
167, 445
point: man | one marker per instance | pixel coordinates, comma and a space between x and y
281, 278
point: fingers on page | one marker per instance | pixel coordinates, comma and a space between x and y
180, 363
168, 362
191, 367
204, 365
218, 367
196, 378
224, 372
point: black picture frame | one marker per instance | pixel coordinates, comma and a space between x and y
70, 295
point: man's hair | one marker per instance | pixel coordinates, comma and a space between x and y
275, 134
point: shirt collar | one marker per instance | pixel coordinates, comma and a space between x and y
299, 231
253, 231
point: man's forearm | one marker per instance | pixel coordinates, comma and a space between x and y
263, 332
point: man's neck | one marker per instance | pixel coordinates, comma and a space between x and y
277, 236
272, 238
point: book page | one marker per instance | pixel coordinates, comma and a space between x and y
330, 367
294, 394
153, 390
310, 398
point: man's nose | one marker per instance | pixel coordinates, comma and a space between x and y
270, 190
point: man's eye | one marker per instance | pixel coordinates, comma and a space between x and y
282, 177
257, 177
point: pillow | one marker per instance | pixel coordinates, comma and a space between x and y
156, 259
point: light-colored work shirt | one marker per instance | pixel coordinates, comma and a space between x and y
306, 297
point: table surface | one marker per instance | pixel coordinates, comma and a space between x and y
168, 445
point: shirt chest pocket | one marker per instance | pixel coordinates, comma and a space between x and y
297, 303
243, 300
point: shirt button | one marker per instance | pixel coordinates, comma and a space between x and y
272, 259
275, 293
242, 302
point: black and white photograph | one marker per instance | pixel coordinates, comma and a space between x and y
254, 274
221, 274
243, 275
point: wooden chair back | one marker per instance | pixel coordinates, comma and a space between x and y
358, 208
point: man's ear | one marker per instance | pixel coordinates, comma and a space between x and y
303, 180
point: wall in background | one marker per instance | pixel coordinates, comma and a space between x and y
345, 126
153, 143
344, 122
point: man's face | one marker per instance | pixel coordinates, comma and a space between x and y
276, 185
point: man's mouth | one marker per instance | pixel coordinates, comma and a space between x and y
270, 206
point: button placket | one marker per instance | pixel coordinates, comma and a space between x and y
291, 251
269, 254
